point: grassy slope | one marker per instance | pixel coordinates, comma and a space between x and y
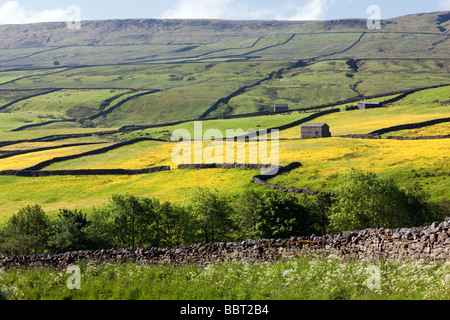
324, 159
157, 60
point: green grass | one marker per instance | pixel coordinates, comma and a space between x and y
157, 60
302, 278
375, 46
331, 81
60, 105
84, 192
250, 123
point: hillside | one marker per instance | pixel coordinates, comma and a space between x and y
109, 96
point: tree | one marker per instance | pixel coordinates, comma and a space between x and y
70, 232
27, 232
212, 213
320, 208
174, 225
281, 215
368, 201
127, 221
244, 213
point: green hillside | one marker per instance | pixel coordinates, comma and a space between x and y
114, 81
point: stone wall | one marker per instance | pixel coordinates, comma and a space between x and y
429, 242
419, 138
244, 166
361, 136
82, 172
411, 126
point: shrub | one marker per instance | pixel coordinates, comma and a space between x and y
27, 232
212, 213
175, 226
366, 200
281, 215
70, 232
126, 221
244, 213
319, 207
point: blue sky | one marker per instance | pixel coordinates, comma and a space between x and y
26, 11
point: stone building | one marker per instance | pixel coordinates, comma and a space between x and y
281, 107
368, 105
315, 130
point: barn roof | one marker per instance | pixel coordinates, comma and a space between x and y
314, 125
374, 103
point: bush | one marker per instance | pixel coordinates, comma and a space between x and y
70, 232
368, 201
27, 232
281, 215
212, 214
175, 227
127, 221
244, 213
319, 207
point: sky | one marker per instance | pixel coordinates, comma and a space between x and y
31, 11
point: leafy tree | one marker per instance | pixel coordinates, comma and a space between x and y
281, 215
27, 232
368, 201
127, 221
175, 226
212, 213
70, 232
439, 211
244, 213
320, 208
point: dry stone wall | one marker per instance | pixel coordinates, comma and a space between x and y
428, 242
82, 172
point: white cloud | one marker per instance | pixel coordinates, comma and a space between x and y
12, 12
235, 10
201, 9
444, 5
312, 10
